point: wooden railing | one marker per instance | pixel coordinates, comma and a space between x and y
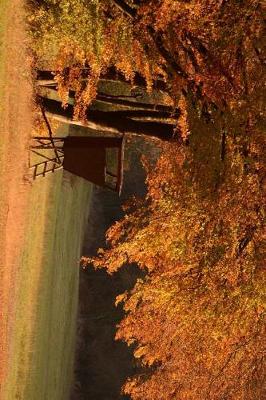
45, 167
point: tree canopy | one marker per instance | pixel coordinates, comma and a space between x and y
197, 320
211, 49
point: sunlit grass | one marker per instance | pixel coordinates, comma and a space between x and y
47, 298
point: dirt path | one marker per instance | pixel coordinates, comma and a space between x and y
15, 127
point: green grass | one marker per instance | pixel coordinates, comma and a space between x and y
43, 344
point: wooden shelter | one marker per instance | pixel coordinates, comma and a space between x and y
98, 159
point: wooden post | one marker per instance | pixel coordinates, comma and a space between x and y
44, 168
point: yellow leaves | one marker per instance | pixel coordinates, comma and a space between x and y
130, 386
84, 261
124, 65
204, 36
169, 11
140, 352
120, 298
183, 119
86, 96
202, 302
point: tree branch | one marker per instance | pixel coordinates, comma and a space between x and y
156, 38
129, 11
208, 56
245, 240
174, 67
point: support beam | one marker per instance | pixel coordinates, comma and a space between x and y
114, 122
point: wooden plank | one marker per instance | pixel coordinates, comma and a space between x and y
50, 132
91, 142
40, 163
44, 168
120, 174
46, 157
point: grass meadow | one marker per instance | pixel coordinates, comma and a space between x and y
43, 343
41, 232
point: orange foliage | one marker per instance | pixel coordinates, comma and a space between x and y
198, 317
211, 48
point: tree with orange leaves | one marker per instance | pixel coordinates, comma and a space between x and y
213, 51
197, 320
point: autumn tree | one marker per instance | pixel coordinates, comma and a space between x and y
197, 320
213, 50
79, 41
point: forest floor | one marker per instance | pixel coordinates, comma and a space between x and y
41, 231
